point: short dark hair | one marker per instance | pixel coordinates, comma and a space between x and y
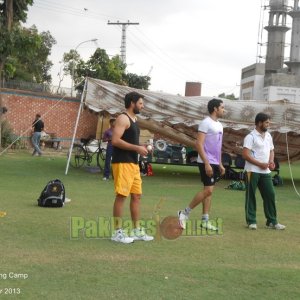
212, 104
37, 115
132, 97
261, 117
111, 121
3, 110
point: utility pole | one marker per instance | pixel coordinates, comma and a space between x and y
123, 41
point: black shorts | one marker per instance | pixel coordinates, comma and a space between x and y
209, 181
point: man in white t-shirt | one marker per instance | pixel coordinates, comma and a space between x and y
258, 151
209, 147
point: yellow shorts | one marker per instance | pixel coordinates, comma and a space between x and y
127, 178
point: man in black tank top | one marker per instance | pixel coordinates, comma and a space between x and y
127, 178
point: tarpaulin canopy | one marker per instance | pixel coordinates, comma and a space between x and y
176, 117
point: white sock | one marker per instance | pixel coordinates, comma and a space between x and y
187, 210
205, 217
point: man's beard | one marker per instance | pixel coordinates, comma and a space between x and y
264, 129
136, 111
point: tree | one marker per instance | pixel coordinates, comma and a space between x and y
101, 66
139, 82
23, 51
11, 13
230, 97
31, 63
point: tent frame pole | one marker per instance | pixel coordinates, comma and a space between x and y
76, 125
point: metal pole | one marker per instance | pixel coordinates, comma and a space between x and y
76, 125
123, 41
73, 66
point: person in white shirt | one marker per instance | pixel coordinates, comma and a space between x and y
258, 151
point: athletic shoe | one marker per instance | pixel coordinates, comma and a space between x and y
183, 217
67, 200
104, 178
276, 226
208, 225
252, 226
139, 234
121, 237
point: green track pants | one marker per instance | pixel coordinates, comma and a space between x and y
265, 185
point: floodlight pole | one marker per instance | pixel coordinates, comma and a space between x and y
73, 65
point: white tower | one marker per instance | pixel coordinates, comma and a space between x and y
294, 62
276, 35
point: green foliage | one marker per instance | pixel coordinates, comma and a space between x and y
230, 97
20, 8
32, 50
139, 82
101, 66
7, 135
23, 51
6, 43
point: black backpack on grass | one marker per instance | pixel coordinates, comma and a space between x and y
53, 195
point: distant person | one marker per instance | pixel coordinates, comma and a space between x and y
126, 171
209, 148
38, 127
258, 151
107, 137
3, 110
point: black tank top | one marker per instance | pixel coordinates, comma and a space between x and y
130, 135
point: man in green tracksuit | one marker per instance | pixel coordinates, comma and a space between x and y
258, 151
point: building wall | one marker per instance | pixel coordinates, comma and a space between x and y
272, 93
252, 82
252, 88
59, 115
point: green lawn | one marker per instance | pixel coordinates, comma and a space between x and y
238, 264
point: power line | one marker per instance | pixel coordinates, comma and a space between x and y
142, 41
61, 8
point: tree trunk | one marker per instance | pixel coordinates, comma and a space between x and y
9, 14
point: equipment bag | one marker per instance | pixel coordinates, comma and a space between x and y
237, 185
53, 195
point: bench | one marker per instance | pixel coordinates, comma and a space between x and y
51, 140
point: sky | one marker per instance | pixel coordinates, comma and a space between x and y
176, 41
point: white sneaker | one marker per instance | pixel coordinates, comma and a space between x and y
276, 226
105, 178
67, 200
121, 237
252, 226
183, 217
208, 225
139, 234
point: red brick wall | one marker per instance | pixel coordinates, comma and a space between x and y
59, 115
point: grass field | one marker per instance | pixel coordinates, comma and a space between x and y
238, 264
